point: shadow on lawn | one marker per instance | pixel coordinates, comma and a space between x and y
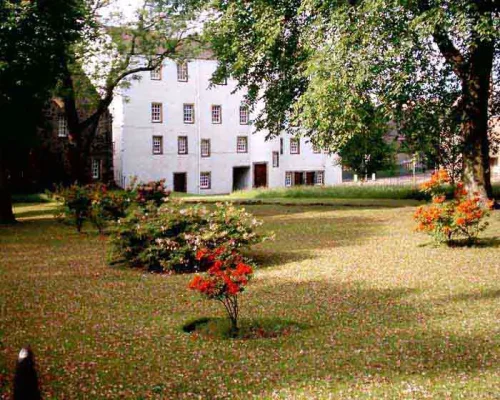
270, 258
319, 232
483, 295
355, 333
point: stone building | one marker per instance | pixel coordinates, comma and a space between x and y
47, 163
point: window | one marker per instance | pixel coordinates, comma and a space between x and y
242, 144
205, 147
182, 145
276, 159
62, 126
96, 169
222, 82
205, 180
316, 149
216, 114
156, 112
189, 113
244, 119
182, 72
319, 178
156, 74
157, 144
288, 178
294, 146
282, 145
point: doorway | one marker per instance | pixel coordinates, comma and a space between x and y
241, 178
180, 182
260, 175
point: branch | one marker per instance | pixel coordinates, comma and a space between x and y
451, 54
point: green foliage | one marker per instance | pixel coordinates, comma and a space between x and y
93, 203
167, 238
367, 153
318, 64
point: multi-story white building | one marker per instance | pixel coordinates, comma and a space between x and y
171, 125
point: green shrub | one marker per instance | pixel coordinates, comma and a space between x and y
167, 238
93, 203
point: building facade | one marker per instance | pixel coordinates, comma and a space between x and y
170, 124
46, 163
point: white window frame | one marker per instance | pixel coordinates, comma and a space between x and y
288, 178
182, 72
276, 159
244, 115
319, 178
205, 180
182, 145
205, 149
157, 145
188, 113
216, 114
96, 168
62, 126
156, 74
242, 144
156, 112
294, 146
316, 149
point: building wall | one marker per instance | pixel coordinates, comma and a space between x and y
133, 133
47, 163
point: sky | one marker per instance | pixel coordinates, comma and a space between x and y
126, 7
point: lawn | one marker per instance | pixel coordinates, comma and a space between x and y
381, 313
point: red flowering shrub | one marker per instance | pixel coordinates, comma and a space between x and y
226, 277
446, 220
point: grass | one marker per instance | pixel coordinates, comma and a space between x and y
380, 314
361, 194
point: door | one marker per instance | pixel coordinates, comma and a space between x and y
310, 178
298, 178
260, 175
180, 182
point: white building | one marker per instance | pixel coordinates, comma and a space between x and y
171, 125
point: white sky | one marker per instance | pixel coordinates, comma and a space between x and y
125, 7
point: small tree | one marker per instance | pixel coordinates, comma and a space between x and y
446, 220
226, 277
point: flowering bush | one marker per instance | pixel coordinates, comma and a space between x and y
167, 238
153, 191
93, 203
227, 275
75, 204
446, 220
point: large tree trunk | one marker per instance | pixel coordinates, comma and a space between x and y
6, 213
476, 92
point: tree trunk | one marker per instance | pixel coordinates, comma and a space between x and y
474, 129
6, 213
78, 164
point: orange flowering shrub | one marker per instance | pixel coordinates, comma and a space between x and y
446, 220
226, 277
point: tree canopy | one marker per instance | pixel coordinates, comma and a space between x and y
427, 65
34, 36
